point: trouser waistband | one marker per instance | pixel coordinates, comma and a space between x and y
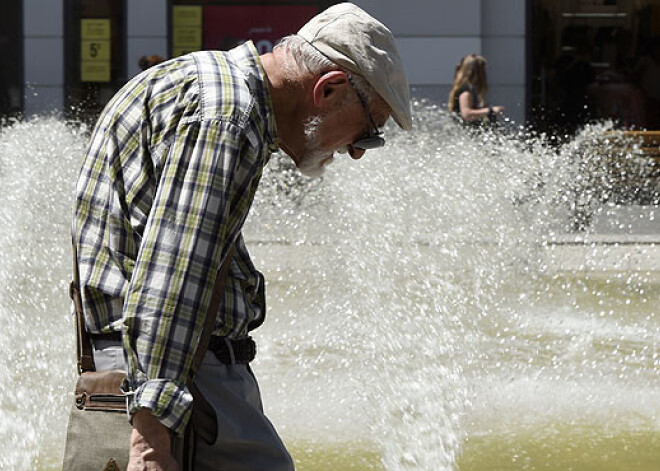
226, 350
233, 351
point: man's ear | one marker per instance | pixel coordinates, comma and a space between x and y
328, 88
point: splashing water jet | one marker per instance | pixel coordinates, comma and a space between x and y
415, 321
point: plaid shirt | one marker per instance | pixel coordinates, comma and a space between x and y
165, 187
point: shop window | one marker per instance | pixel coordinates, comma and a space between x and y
595, 60
11, 77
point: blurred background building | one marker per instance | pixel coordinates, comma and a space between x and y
551, 63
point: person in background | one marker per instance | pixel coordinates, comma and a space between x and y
165, 186
468, 93
149, 61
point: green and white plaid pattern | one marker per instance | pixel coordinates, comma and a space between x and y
165, 187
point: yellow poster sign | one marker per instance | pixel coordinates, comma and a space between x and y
186, 29
182, 51
191, 37
95, 29
187, 16
95, 50
95, 71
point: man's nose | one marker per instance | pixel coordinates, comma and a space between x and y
355, 153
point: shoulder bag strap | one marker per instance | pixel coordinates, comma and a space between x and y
83, 342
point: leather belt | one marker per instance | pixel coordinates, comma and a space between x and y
226, 350
111, 336
233, 351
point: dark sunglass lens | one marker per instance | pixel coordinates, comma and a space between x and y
367, 143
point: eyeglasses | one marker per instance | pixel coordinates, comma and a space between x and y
375, 139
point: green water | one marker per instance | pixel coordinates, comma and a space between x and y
572, 387
346, 456
551, 448
563, 448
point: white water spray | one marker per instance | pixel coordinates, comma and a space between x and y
410, 304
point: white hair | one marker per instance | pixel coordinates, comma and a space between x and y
309, 59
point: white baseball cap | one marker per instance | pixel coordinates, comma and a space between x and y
357, 42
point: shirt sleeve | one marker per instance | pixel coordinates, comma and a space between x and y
190, 227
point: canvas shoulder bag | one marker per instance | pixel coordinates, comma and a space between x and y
98, 434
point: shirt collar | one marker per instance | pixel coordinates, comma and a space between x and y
248, 57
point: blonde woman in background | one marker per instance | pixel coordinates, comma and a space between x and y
468, 94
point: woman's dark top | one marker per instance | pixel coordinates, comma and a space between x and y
465, 88
475, 104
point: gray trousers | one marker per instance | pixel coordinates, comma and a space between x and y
245, 438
